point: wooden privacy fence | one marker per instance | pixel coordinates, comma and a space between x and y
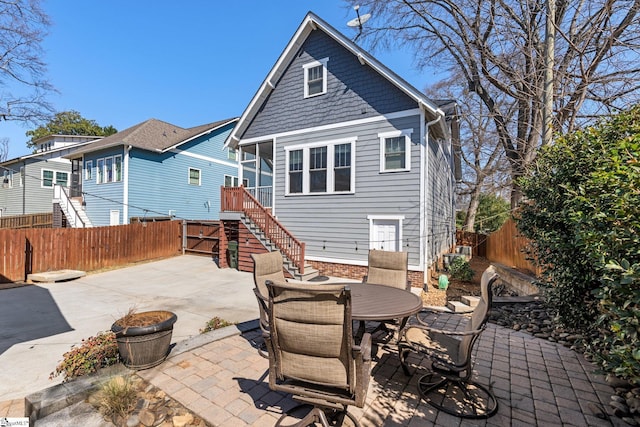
506, 246
26, 251
41, 220
477, 241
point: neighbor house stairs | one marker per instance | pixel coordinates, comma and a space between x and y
71, 207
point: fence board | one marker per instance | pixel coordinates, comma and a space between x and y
86, 249
40, 220
506, 246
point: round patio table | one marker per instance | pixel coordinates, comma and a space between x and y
379, 302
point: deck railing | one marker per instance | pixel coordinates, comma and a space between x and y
238, 199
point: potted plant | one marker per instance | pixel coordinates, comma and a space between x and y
144, 338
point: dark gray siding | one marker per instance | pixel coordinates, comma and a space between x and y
333, 226
440, 209
354, 91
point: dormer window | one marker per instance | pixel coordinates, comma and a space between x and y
315, 78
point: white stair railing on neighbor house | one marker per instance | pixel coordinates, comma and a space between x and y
61, 196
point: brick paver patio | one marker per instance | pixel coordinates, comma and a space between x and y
537, 382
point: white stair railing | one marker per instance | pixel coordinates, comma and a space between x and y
61, 196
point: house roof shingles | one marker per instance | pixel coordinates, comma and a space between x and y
153, 135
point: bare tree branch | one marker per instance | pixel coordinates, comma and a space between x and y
496, 47
23, 87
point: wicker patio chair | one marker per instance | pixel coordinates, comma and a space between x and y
390, 269
448, 385
312, 354
266, 266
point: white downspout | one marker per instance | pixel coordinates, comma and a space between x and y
125, 186
427, 216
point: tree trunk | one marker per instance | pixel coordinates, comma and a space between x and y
472, 210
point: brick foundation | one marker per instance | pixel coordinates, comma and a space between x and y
357, 272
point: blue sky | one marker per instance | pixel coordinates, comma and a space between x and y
121, 62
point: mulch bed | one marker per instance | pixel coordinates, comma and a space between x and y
457, 288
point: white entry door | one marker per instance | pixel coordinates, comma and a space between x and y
385, 234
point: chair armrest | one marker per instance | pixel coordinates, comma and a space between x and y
364, 348
428, 330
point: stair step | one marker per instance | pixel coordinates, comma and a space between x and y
470, 300
459, 307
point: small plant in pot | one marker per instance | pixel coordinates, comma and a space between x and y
144, 338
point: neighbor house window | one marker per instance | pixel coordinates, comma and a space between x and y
47, 178
117, 160
194, 176
7, 179
22, 176
232, 154
50, 177
230, 181
62, 178
108, 169
323, 168
315, 78
100, 171
395, 150
88, 169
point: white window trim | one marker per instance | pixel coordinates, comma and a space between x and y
305, 67
100, 171
22, 176
199, 176
88, 170
330, 166
407, 151
54, 181
373, 218
103, 169
115, 175
234, 180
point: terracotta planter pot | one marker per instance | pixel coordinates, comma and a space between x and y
144, 338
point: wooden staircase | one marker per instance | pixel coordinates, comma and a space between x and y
267, 230
308, 272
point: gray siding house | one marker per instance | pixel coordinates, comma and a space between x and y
28, 181
349, 156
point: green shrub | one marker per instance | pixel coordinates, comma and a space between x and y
93, 354
616, 348
215, 323
459, 269
582, 210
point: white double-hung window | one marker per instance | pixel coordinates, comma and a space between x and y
50, 177
321, 168
315, 78
395, 150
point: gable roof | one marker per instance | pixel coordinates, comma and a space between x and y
154, 135
311, 23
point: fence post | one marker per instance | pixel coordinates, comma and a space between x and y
184, 236
28, 259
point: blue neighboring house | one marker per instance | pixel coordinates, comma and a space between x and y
151, 170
